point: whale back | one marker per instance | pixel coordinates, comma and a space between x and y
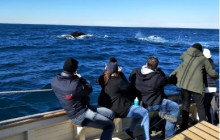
77, 34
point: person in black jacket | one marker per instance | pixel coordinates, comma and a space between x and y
210, 88
149, 82
104, 99
73, 93
116, 87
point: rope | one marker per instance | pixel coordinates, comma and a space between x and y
25, 91
156, 123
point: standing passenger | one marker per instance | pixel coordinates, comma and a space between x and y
210, 88
116, 87
190, 79
149, 82
73, 93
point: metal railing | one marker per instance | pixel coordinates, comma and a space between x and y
25, 91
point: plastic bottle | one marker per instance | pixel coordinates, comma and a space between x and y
136, 101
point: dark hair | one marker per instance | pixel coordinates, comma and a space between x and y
107, 76
152, 62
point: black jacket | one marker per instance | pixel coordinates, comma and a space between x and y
208, 80
73, 94
104, 99
149, 86
117, 90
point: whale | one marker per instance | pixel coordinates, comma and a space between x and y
77, 34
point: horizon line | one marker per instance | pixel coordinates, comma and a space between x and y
113, 26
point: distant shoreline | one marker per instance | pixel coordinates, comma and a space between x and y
114, 26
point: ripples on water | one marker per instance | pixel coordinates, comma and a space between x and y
31, 55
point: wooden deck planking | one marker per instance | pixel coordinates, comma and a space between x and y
192, 135
207, 129
179, 137
200, 131
210, 126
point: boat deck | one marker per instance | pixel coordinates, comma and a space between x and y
200, 131
55, 125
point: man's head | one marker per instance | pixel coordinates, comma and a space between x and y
70, 65
152, 62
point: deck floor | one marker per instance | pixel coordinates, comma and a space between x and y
199, 131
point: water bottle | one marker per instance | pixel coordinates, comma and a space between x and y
136, 101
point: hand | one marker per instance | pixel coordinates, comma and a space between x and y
119, 68
78, 75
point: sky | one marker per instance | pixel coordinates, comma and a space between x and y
120, 13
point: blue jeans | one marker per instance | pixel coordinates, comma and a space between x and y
138, 112
167, 107
100, 117
170, 108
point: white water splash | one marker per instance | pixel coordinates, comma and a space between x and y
106, 36
70, 37
153, 38
84, 36
66, 36
139, 35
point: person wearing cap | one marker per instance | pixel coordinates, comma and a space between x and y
116, 87
189, 76
73, 91
148, 84
104, 99
210, 87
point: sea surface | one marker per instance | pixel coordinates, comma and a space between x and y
31, 55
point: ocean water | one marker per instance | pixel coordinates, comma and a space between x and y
31, 55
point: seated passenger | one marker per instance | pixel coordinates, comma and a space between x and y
115, 86
149, 82
73, 93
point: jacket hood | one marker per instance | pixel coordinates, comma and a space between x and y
65, 75
145, 70
194, 52
145, 73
